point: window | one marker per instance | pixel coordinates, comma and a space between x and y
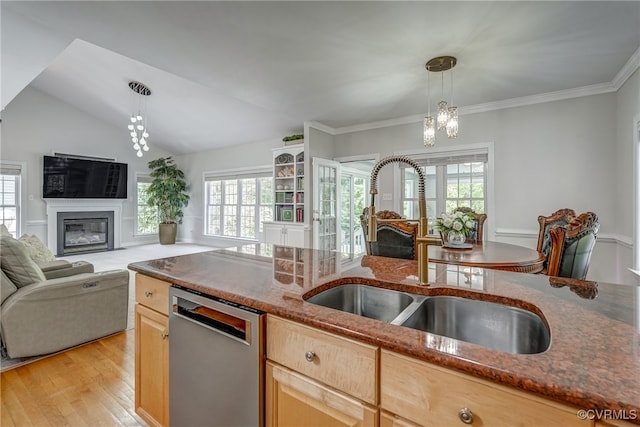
452, 179
147, 216
237, 205
10, 176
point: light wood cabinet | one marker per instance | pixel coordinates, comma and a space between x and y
429, 395
152, 350
296, 400
611, 422
392, 420
344, 364
315, 378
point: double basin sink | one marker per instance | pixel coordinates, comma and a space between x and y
497, 326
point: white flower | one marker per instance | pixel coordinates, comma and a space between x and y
459, 214
457, 226
447, 222
470, 224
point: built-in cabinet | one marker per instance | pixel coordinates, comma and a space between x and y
288, 182
278, 233
288, 227
152, 350
318, 378
314, 378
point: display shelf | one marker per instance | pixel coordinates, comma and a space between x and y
288, 176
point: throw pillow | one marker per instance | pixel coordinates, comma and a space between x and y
39, 251
4, 230
17, 264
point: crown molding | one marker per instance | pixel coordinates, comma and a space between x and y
627, 70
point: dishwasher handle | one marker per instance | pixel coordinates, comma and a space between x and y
215, 316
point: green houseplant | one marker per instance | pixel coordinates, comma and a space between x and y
168, 192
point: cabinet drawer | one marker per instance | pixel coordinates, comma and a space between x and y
430, 395
153, 293
344, 364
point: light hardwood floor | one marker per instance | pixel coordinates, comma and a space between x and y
90, 385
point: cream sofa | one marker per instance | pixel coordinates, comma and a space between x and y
55, 305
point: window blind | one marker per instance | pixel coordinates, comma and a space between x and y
447, 159
211, 176
10, 169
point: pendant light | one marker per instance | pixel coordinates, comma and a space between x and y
138, 122
447, 115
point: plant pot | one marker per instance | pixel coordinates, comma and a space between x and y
455, 238
167, 233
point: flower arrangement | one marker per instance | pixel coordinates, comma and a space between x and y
461, 222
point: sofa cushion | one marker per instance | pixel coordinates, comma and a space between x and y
17, 264
38, 251
7, 288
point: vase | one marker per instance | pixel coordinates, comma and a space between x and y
455, 238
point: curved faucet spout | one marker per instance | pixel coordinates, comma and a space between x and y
372, 225
422, 200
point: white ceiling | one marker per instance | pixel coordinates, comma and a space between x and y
224, 73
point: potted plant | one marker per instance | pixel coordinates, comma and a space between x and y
296, 138
168, 192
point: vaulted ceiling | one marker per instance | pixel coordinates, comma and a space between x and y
224, 73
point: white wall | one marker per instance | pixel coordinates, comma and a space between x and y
547, 156
35, 124
627, 112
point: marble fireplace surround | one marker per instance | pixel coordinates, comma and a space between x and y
82, 205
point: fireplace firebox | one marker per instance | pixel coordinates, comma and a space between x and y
82, 232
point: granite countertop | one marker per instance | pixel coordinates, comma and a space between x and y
593, 361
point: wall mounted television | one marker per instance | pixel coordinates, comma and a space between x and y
75, 178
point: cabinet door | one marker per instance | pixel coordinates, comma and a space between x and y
273, 234
295, 236
433, 396
152, 366
295, 400
390, 420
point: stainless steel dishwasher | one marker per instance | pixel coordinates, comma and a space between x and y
216, 350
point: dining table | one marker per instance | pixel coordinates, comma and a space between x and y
489, 254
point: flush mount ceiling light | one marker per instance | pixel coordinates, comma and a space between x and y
447, 116
138, 122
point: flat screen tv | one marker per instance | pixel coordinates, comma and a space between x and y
73, 178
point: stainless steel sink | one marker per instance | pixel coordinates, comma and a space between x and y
497, 326
368, 301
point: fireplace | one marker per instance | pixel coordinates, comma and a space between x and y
81, 232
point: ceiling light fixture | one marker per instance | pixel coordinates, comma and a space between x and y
138, 122
447, 115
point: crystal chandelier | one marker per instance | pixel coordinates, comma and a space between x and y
447, 116
138, 122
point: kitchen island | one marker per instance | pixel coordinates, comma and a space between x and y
592, 364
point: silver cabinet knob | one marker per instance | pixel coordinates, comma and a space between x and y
309, 355
165, 335
148, 294
465, 415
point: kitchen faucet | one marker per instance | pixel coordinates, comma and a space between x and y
372, 221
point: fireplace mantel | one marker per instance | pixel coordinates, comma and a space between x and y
78, 205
